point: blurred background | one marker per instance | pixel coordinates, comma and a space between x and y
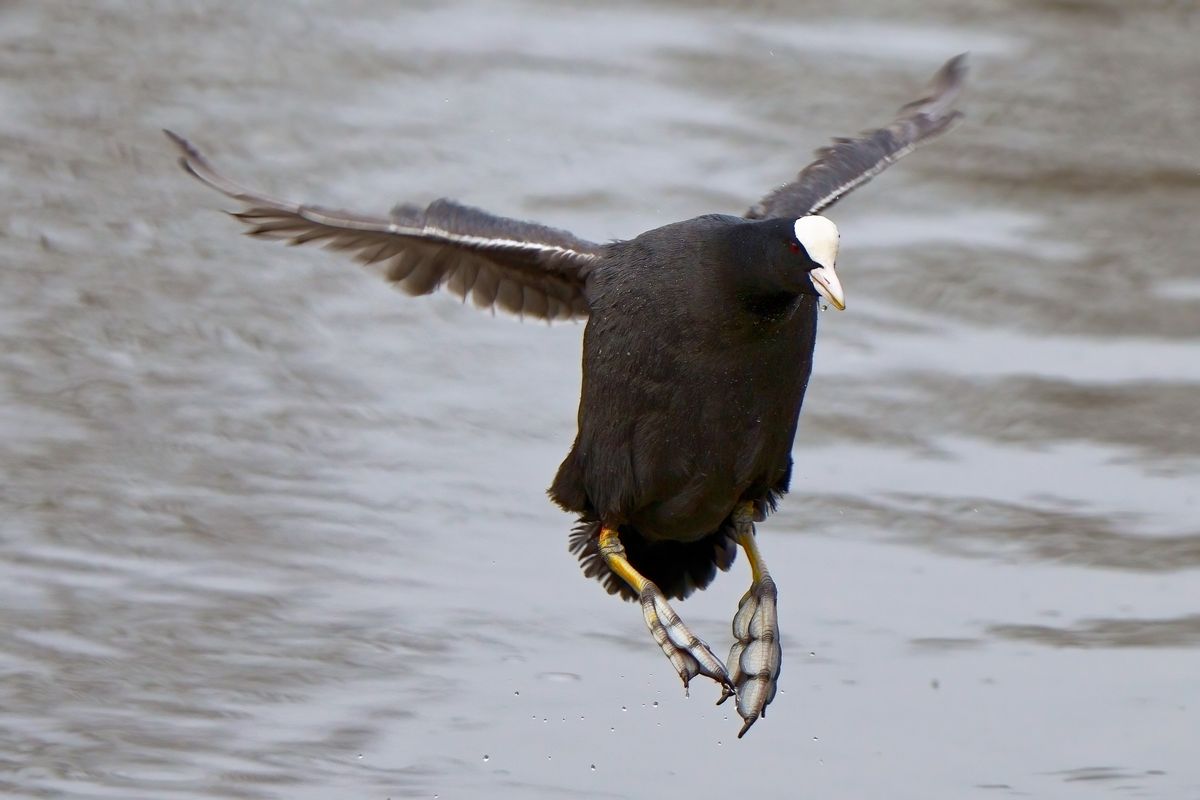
270, 530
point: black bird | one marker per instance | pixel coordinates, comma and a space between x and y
696, 356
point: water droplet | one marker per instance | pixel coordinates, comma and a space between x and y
623, 708
517, 693
486, 757
655, 704
815, 739
593, 767
360, 756
812, 653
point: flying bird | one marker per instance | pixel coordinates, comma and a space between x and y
696, 356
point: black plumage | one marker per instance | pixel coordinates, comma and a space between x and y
695, 361
697, 353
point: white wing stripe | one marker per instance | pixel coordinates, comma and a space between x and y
491, 243
879, 167
315, 215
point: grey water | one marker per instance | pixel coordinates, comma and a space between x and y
271, 530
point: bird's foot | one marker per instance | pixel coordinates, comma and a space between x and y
756, 656
688, 653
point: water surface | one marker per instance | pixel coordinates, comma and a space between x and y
273, 531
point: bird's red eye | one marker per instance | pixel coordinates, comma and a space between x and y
794, 247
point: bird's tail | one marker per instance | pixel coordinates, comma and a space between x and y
677, 568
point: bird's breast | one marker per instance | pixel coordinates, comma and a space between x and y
680, 426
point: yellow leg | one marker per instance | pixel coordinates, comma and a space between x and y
613, 553
756, 656
743, 519
687, 652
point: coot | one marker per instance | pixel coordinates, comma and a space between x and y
696, 356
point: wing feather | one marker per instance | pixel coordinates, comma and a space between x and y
850, 162
525, 268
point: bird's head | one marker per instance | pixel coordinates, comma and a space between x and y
816, 241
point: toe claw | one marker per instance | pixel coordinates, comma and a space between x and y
746, 726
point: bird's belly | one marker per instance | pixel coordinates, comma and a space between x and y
693, 513
671, 439
699, 477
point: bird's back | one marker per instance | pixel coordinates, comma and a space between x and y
690, 392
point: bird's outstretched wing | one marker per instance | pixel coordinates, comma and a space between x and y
528, 269
849, 163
